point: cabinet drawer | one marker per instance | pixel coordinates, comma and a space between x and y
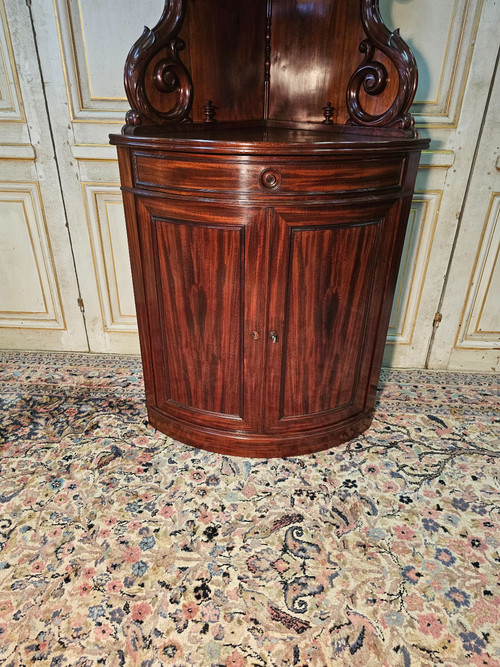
230, 175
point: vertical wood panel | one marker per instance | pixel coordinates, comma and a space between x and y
22, 291
306, 68
225, 52
331, 273
200, 280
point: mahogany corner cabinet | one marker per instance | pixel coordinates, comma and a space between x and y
267, 165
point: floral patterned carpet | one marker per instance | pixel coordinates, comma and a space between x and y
120, 546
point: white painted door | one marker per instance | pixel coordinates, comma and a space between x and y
455, 43
38, 286
469, 333
82, 45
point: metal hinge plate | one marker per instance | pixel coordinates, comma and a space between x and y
81, 304
437, 319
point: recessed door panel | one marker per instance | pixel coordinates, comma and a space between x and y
196, 266
330, 276
329, 280
199, 268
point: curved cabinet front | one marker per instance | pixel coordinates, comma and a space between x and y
263, 293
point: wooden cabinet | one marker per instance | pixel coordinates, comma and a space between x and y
264, 256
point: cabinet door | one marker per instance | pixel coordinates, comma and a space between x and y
329, 277
202, 309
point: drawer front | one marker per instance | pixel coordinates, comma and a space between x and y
229, 175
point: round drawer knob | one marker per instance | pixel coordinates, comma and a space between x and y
270, 179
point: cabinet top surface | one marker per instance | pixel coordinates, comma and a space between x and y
266, 139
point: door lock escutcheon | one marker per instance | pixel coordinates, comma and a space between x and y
273, 336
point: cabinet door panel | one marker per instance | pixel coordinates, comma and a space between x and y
330, 273
199, 269
331, 270
195, 269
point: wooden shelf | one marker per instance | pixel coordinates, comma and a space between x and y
251, 138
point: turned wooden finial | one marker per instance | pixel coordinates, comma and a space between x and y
209, 111
328, 114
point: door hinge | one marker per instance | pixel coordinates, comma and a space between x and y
437, 319
28, 3
81, 304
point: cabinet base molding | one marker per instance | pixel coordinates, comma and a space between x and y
261, 445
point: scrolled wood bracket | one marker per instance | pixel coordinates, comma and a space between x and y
373, 76
169, 75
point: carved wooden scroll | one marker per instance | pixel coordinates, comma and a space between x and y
372, 75
169, 75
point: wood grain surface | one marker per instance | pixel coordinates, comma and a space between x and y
263, 312
265, 243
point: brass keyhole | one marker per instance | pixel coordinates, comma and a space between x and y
255, 335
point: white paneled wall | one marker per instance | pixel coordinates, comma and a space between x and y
38, 285
82, 45
470, 331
